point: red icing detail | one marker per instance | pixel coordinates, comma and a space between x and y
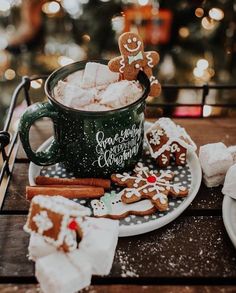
151, 179
73, 225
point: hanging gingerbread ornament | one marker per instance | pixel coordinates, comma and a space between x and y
133, 58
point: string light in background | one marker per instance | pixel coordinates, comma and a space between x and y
197, 72
216, 14
184, 32
208, 23
86, 38
36, 84
52, 7
199, 12
9, 74
202, 64
202, 71
207, 110
143, 2
73, 7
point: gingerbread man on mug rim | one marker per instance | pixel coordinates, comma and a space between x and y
133, 58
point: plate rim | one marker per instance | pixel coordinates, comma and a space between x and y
132, 230
226, 209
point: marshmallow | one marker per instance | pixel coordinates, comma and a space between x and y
59, 273
38, 247
215, 159
96, 74
99, 243
229, 187
232, 150
214, 181
95, 107
75, 78
75, 96
121, 93
59, 91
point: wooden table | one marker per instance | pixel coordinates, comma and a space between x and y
191, 254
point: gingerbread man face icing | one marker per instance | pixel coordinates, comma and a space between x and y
131, 44
133, 58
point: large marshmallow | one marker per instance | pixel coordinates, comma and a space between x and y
95, 107
121, 93
215, 159
57, 274
229, 187
97, 75
75, 96
232, 150
214, 181
38, 247
99, 243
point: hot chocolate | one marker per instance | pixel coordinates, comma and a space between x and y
96, 88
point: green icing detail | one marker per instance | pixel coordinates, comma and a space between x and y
107, 198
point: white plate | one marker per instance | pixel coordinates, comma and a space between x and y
140, 225
229, 217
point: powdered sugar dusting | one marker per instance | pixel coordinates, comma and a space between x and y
127, 270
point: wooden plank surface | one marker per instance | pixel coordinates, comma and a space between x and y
186, 250
30, 288
194, 248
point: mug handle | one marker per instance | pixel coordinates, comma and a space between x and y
33, 113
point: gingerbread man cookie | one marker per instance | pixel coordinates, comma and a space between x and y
146, 183
133, 58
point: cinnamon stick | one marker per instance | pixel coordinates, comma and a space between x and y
68, 191
99, 182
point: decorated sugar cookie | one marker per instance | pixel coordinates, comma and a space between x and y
111, 206
133, 58
145, 183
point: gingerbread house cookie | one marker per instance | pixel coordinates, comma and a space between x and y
57, 220
167, 141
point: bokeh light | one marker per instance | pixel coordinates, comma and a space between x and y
202, 64
216, 14
208, 23
199, 12
207, 110
143, 2
51, 7
4, 5
197, 72
184, 32
36, 84
9, 74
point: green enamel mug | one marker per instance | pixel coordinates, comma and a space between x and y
87, 143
